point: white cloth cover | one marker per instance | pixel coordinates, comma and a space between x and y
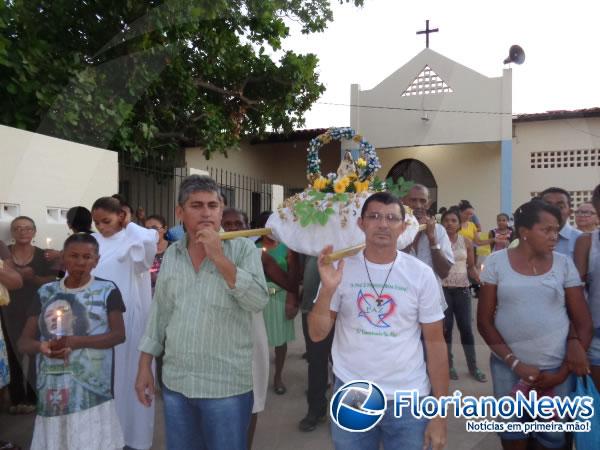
310, 240
96, 428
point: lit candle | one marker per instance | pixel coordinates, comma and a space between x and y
48, 242
59, 328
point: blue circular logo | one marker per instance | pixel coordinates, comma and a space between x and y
357, 406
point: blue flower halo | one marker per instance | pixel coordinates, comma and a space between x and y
367, 151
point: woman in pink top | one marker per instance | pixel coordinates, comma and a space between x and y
456, 291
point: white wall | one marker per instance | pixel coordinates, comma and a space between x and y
555, 136
37, 172
472, 92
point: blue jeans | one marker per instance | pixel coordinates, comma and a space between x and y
504, 379
403, 433
206, 423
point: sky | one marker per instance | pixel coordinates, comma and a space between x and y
365, 45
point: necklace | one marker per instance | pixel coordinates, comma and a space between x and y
25, 261
379, 300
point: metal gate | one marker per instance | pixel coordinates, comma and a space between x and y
154, 186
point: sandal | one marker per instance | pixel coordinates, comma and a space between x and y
453, 374
479, 375
5, 445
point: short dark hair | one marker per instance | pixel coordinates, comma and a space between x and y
79, 219
463, 205
262, 218
110, 204
123, 201
157, 217
387, 199
197, 183
230, 210
528, 214
596, 195
23, 218
82, 238
452, 210
503, 215
556, 190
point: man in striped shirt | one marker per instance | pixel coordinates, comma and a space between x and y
201, 318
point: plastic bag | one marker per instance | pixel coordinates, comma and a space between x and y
588, 440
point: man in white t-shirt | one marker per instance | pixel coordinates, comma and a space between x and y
381, 301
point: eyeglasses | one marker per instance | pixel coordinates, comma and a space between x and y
155, 228
585, 213
393, 219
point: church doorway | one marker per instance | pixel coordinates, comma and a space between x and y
414, 170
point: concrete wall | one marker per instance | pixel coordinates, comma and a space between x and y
397, 121
560, 136
281, 163
39, 172
468, 171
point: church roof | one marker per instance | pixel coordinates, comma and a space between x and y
557, 115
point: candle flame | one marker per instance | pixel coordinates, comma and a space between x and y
59, 313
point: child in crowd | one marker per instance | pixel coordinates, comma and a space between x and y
503, 234
73, 326
126, 255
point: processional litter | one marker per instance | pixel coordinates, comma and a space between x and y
326, 212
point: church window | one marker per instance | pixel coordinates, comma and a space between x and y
565, 158
427, 82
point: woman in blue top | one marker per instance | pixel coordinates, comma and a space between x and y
531, 303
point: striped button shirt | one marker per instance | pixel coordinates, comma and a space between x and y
203, 326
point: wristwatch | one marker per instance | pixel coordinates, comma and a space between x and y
436, 247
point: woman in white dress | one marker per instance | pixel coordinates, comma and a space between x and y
126, 255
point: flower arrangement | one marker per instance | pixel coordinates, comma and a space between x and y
352, 176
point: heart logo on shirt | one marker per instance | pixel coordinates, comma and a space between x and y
375, 310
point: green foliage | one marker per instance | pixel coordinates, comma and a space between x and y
148, 77
317, 208
400, 187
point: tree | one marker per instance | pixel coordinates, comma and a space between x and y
148, 77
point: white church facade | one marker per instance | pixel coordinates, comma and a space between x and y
442, 124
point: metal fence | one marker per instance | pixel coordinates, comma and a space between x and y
153, 186
246, 193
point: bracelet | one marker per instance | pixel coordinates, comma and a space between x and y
508, 356
514, 364
572, 337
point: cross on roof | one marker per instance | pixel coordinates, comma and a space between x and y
426, 32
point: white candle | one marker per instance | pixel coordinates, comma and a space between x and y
48, 242
59, 328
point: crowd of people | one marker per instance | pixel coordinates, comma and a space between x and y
92, 332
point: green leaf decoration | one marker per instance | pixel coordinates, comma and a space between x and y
400, 187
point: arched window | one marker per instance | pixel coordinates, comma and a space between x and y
414, 170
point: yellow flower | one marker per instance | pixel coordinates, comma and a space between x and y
360, 162
320, 183
361, 186
341, 185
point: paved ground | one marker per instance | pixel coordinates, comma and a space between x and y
278, 424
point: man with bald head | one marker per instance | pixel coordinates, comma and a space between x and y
432, 246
